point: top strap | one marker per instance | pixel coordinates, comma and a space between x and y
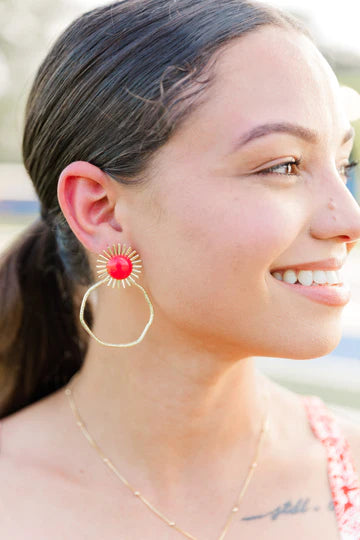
343, 478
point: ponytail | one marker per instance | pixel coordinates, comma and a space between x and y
40, 345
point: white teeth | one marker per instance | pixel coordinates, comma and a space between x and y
331, 277
290, 276
305, 277
308, 277
319, 276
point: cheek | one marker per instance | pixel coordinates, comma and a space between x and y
206, 247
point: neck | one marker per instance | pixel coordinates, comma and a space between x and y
164, 413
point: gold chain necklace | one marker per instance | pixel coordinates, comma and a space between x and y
172, 524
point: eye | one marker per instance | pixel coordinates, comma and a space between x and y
287, 168
346, 169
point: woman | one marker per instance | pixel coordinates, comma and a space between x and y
208, 140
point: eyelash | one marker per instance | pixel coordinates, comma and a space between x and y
297, 162
272, 170
348, 168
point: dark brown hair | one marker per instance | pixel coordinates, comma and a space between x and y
111, 91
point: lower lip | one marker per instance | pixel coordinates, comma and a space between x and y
331, 295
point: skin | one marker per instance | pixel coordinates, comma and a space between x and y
180, 413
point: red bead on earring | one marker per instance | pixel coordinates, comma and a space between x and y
119, 267
119, 264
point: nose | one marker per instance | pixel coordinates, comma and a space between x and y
337, 214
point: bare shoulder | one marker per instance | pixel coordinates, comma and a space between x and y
32, 444
46, 479
35, 468
349, 423
41, 444
21, 439
29, 428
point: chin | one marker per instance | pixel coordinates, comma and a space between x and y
315, 345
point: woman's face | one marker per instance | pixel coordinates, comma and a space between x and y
214, 222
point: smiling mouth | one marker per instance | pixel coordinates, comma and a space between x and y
335, 294
310, 278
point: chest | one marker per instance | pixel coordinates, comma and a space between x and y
39, 505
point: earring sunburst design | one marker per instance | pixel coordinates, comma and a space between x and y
119, 264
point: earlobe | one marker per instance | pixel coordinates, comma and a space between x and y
87, 197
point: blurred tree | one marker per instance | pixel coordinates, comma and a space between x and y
27, 30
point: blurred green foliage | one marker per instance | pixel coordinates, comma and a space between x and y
27, 30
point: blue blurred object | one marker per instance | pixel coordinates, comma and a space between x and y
348, 347
353, 180
16, 207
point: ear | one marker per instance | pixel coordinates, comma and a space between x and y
90, 201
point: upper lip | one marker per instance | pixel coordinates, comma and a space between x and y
334, 263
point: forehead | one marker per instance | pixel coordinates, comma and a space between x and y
275, 63
271, 75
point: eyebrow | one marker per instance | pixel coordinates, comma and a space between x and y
301, 132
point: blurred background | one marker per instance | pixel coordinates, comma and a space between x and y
28, 28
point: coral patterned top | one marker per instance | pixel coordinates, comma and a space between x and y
343, 478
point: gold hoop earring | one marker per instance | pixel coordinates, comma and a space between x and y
119, 265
